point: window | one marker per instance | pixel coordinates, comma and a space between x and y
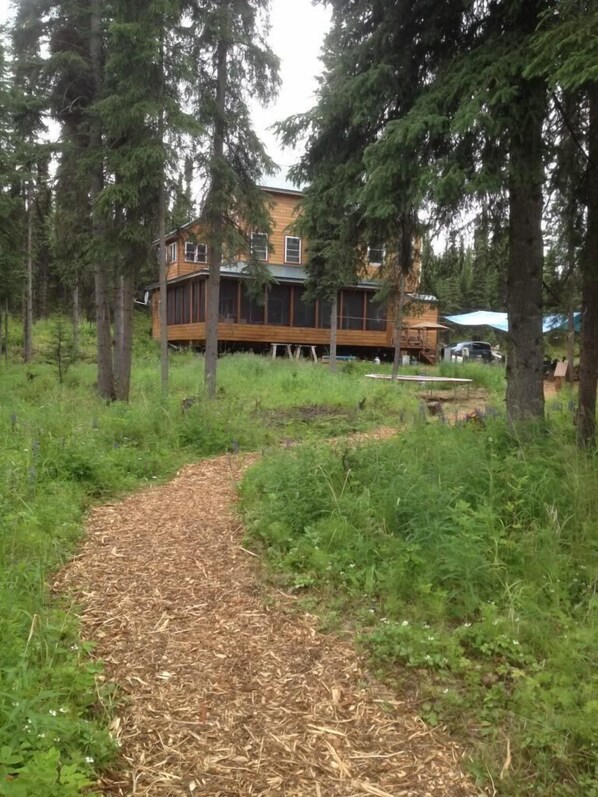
279, 305
352, 317
228, 301
259, 245
292, 249
196, 253
375, 319
171, 252
304, 313
376, 255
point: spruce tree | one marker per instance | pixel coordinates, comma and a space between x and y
566, 54
234, 63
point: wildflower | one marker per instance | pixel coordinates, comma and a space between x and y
88, 759
466, 625
405, 622
515, 642
52, 712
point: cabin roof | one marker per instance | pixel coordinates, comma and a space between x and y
280, 183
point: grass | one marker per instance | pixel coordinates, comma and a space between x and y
61, 451
467, 558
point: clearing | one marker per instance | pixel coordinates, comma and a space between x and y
225, 688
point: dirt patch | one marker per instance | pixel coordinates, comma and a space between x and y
226, 689
303, 414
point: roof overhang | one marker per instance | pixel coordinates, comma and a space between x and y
293, 275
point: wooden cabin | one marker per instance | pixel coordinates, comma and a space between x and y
364, 326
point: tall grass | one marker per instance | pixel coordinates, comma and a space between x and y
470, 557
61, 450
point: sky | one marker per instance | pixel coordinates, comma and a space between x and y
297, 34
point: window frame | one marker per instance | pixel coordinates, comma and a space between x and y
288, 238
264, 236
382, 250
171, 253
195, 258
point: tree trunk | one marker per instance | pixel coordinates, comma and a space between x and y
216, 222
6, 333
105, 383
588, 366
28, 301
123, 323
76, 314
333, 332
396, 360
163, 304
163, 271
525, 388
570, 343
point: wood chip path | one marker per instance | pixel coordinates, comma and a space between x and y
225, 688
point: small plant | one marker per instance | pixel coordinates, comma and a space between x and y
61, 351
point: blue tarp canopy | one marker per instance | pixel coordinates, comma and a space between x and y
481, 318
500, 321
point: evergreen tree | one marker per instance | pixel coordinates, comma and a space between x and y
134, 111
234, 63
29, 101
10, 200
566, 53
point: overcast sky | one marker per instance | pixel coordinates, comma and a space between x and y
298, 30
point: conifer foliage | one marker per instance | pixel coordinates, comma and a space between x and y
134, 85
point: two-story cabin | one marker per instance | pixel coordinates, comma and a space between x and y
284, 317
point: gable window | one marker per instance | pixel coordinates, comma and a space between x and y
292, 249
196, 253
259, 245
171, 252
376, 255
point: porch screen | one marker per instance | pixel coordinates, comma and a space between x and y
352, 317
251, 311
304, 313
198, 301
179, 304
324, 311
279, 305
228, 301
375, 314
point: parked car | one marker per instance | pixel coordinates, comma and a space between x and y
475, 350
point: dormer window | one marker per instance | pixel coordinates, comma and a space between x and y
376, 255
196, 253
292, 249
259, 245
